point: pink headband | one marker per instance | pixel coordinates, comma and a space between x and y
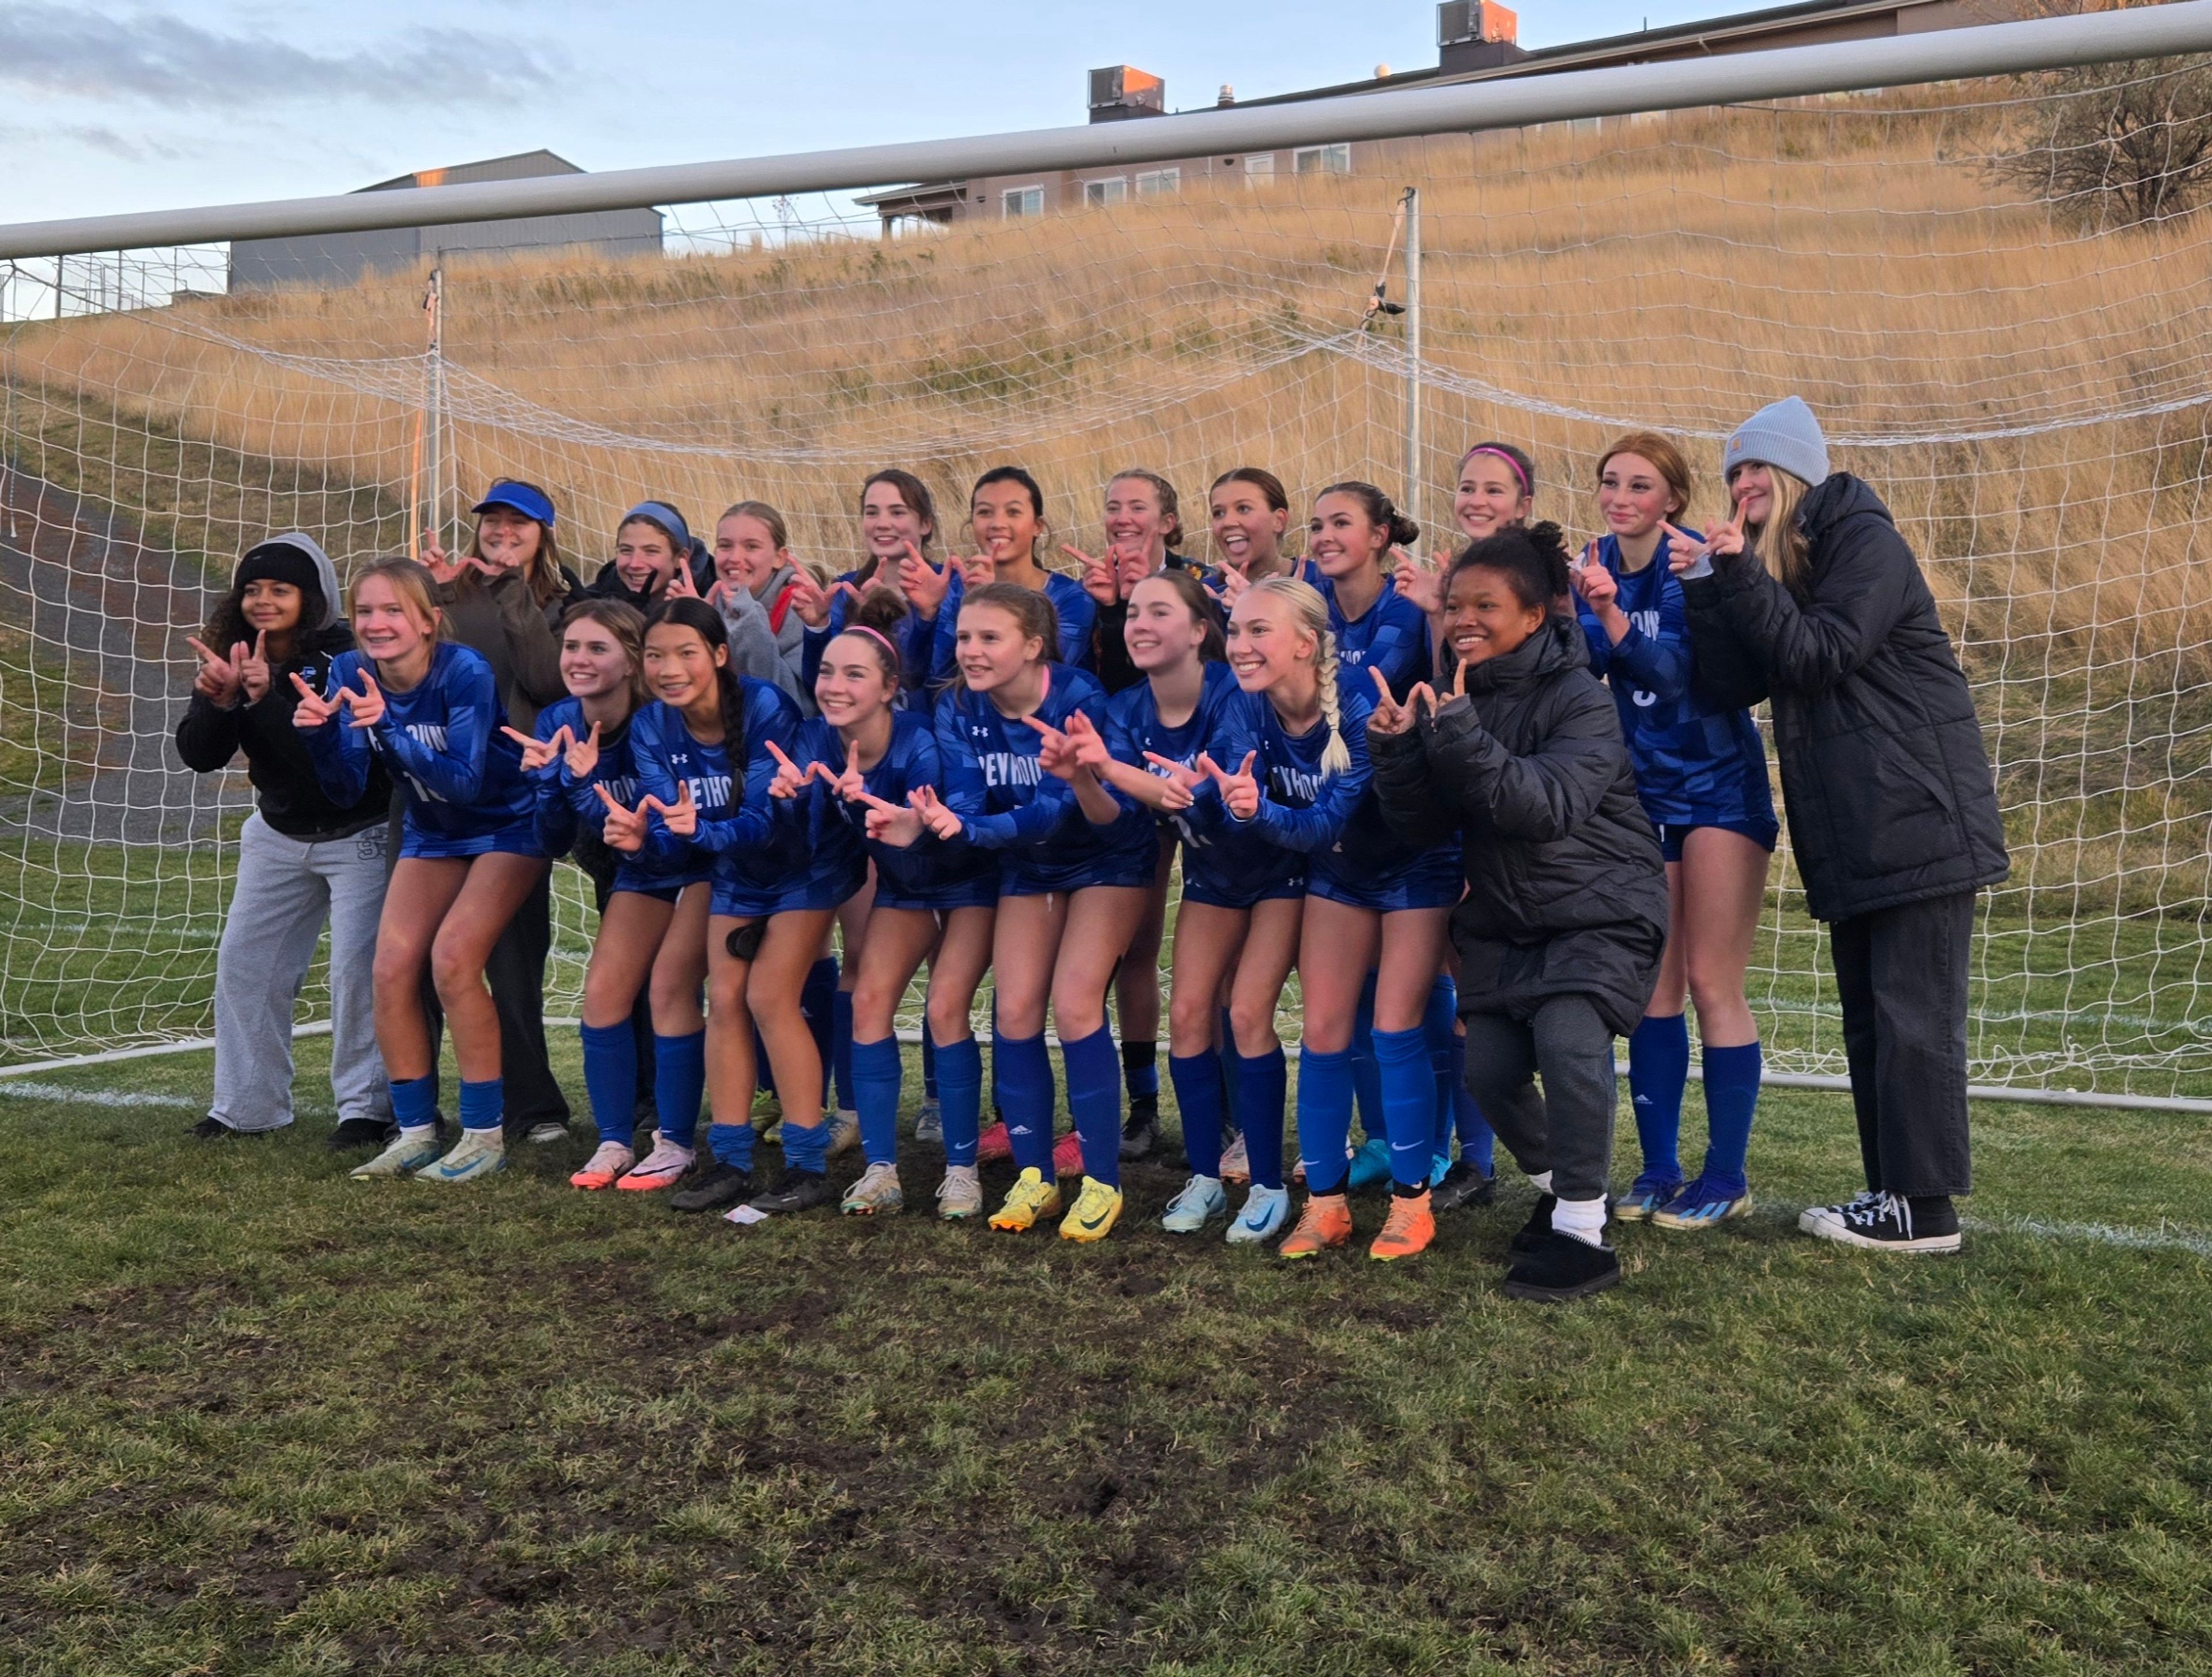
878, 637
1527, 487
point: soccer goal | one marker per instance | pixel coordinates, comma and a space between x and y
1983, 265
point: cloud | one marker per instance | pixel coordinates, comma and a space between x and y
94, 137
166, 61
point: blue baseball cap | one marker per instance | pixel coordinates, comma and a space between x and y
518, 496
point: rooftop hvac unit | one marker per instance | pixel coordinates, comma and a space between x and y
1466, 22
1120, 90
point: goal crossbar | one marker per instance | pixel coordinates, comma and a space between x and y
1464, 105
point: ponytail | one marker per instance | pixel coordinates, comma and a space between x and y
1380, 511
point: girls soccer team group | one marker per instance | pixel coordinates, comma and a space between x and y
1406, 780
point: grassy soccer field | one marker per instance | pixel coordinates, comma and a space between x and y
260, 1418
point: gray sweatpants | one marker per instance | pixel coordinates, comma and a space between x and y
287, 888
1567, 1128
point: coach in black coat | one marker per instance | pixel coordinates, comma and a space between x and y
1892, 810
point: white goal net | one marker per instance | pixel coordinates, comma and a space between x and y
2001, 327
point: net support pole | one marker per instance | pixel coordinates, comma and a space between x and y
1412, 493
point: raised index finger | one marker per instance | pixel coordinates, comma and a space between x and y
775, 752
1382, 684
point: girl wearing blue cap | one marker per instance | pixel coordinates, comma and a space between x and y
470, 853
502, 598
1816, 605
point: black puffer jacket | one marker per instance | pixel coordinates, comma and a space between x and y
1566, 893
292, 798
1889, 794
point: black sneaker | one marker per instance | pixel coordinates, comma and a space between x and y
1559, 1266
1813, 1214
213, 1129
1892, 1223
353, 1133
1532, 1234
799, 1191
1464, 1184
709, 1185
1141, 1133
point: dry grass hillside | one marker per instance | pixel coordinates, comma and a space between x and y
1676, 272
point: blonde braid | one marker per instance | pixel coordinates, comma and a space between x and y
1312, 611
1337, 757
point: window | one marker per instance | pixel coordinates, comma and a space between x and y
1260, 169
1159, 183
1098, 193
1022, 201
1321, 160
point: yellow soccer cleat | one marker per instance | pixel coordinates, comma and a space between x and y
1031, 1199
1097, 1209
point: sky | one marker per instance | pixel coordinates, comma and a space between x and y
108, 108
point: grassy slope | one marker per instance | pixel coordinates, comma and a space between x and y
264, 1419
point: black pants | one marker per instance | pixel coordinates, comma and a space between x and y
1901, 974
1567, 1129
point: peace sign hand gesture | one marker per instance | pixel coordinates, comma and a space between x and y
1054, 753
1423, 584
809, 598
890, 824
1233, 583
252, 668
682, 585
367, 705
1240, 791
1388, 716
218, 677
923, 584
314, 709
538, 754
789, 776
849, 784
623, 829
1101, 579
583, 756
977, 572
940, 818
680, 817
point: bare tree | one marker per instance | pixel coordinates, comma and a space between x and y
2118, 142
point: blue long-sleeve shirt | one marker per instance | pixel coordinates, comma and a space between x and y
1692, 765
1077, 611
994, 782
568, 806
440, 740
1391, 635
748, 835
927, 871
1134, 727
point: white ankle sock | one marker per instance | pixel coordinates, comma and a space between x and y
1543, 1181
1582, 1218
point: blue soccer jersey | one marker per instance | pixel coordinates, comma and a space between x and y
1694, 767
1391, 635
756, 844
995, 783
1077, 611
1303, 809
929, 873
1134, 727
442, 742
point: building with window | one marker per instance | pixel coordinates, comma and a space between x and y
1476, 40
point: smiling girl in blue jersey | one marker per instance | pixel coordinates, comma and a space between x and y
934, 900
706, 755
469, 852
1701, 772
1373, 903
1070, 894
1284, 768
1156, 733
1005, 515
